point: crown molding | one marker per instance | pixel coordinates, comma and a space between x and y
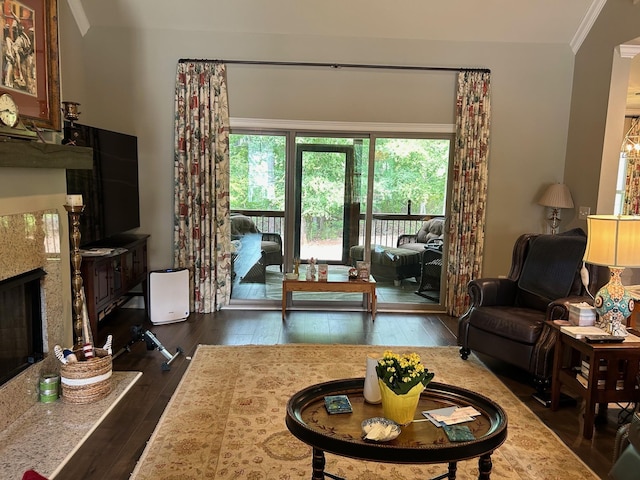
586, 24
323, 126
629, 51
79, 15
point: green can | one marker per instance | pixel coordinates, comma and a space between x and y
49, 388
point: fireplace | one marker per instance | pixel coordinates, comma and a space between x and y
34, 235
21, 343
33, 266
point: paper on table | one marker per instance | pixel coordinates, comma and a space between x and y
450, 415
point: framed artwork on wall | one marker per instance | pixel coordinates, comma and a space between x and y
30, 71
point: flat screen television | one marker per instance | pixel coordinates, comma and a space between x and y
110, 190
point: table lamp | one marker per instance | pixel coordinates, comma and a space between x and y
613, 241
556, 196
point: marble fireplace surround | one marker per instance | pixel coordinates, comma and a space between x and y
32, 189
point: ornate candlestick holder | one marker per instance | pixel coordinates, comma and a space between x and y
76, 280
72, 134
70, 110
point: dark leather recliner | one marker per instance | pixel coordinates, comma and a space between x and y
506, 318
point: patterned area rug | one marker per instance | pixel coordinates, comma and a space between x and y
226, 419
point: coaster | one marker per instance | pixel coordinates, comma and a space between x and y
337, 404
458, 433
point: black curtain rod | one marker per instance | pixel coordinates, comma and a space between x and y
335, 65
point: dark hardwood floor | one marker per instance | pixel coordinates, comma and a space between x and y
114, 448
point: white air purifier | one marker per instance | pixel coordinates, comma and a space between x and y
168, 296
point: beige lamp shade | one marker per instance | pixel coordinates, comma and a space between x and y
556, 195
613, 240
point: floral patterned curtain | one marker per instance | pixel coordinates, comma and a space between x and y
631, 205
469, 196
202, 241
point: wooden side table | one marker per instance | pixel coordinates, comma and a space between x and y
335, 283
612, 372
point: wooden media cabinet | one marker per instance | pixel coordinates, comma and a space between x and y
109, 278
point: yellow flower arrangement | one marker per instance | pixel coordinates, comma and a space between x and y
402, 372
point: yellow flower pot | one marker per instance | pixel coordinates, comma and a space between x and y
400, 408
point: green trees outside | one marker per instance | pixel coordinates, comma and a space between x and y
323, 195
405, 169
411, 169
257, 171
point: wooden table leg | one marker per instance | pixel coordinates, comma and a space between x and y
555, 375
284, 300
374, 304
590, 400
589, 416
318, 464
453, 468
484, 466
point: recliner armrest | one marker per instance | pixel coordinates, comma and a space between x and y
486, 292
559, 309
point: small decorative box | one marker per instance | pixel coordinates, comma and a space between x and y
582, 314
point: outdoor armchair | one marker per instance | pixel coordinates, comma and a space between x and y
271, 243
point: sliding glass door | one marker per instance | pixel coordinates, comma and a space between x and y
409, 203
319, 186
257, 198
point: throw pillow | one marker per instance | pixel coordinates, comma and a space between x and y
32, 475
430, 230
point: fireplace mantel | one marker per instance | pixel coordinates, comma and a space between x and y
31, 154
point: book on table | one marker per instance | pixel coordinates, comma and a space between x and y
579, 332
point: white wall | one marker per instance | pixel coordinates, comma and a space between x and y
594, 132
125, 80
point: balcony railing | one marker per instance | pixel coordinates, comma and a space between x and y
267, 221
385, 229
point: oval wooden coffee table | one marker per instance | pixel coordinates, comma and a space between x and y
419, 442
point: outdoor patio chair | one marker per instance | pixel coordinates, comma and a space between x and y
270, 253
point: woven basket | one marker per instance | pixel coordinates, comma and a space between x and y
87, 381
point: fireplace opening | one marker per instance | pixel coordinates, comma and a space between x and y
21, 333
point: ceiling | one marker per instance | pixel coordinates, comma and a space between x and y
540, 21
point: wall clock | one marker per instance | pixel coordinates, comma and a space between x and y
8, 110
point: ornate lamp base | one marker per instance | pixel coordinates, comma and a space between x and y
554, 220
613, 305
